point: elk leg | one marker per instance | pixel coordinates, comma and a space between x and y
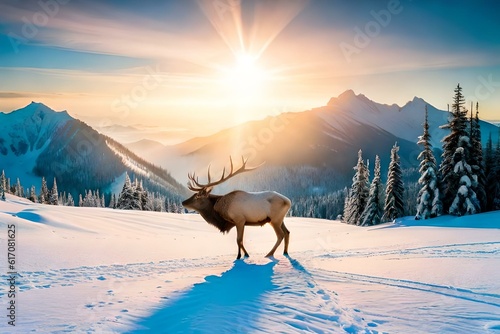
287, 237
239, 241
280, 235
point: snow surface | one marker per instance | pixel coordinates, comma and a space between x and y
99, 270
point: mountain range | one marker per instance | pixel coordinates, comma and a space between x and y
37, 141
327, 137
307, 152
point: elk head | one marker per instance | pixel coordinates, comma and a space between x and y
200, 201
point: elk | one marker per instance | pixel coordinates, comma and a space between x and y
239, 208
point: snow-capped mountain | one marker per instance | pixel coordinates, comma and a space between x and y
37, 141
404, 122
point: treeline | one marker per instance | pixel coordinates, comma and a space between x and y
132, 197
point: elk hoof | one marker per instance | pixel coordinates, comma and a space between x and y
246, 255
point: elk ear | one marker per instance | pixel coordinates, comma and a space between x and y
208, 190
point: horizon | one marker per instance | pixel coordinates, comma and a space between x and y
198, 67
142, 132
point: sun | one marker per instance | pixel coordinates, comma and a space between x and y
245, 80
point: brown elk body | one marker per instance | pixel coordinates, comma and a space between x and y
239, 209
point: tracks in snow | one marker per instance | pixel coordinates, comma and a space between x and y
448, 291
29, 280
464, 250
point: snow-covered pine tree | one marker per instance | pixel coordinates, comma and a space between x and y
103, 201
137, 193
19, 189
489, 156
429, 204
457, 125
465, 201
54, 195
96, 198
86, 202
394, 191
70, 201
62, 198
44, 192
158, 202
32, 196
476, 159
146, 204
112, 202
358, 195
168, 205
347, 202
2, 186
80, 200
127, 199
374, 210
495, 177
7, 186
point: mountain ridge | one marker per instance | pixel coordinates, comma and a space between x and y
37, 141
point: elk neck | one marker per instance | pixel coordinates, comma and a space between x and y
213, 217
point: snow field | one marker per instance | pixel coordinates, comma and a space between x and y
99, 270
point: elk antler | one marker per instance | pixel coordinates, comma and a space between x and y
195, 185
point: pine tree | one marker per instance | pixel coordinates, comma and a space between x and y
19, 189
358, 194
96, 199
429, 203
33, 196
394, 204
128, 199
80, 200
374, 210
143, 195
2, 185
70, 201
457, 125
347, 207
495, 177
44, 192
465, 201
54, 194
112, 202
491, 177
62, 198
476, 159
137, 194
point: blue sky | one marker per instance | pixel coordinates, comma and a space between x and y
204, 65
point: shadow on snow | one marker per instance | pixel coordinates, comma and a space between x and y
226, 303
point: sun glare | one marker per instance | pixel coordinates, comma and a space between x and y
245, 80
